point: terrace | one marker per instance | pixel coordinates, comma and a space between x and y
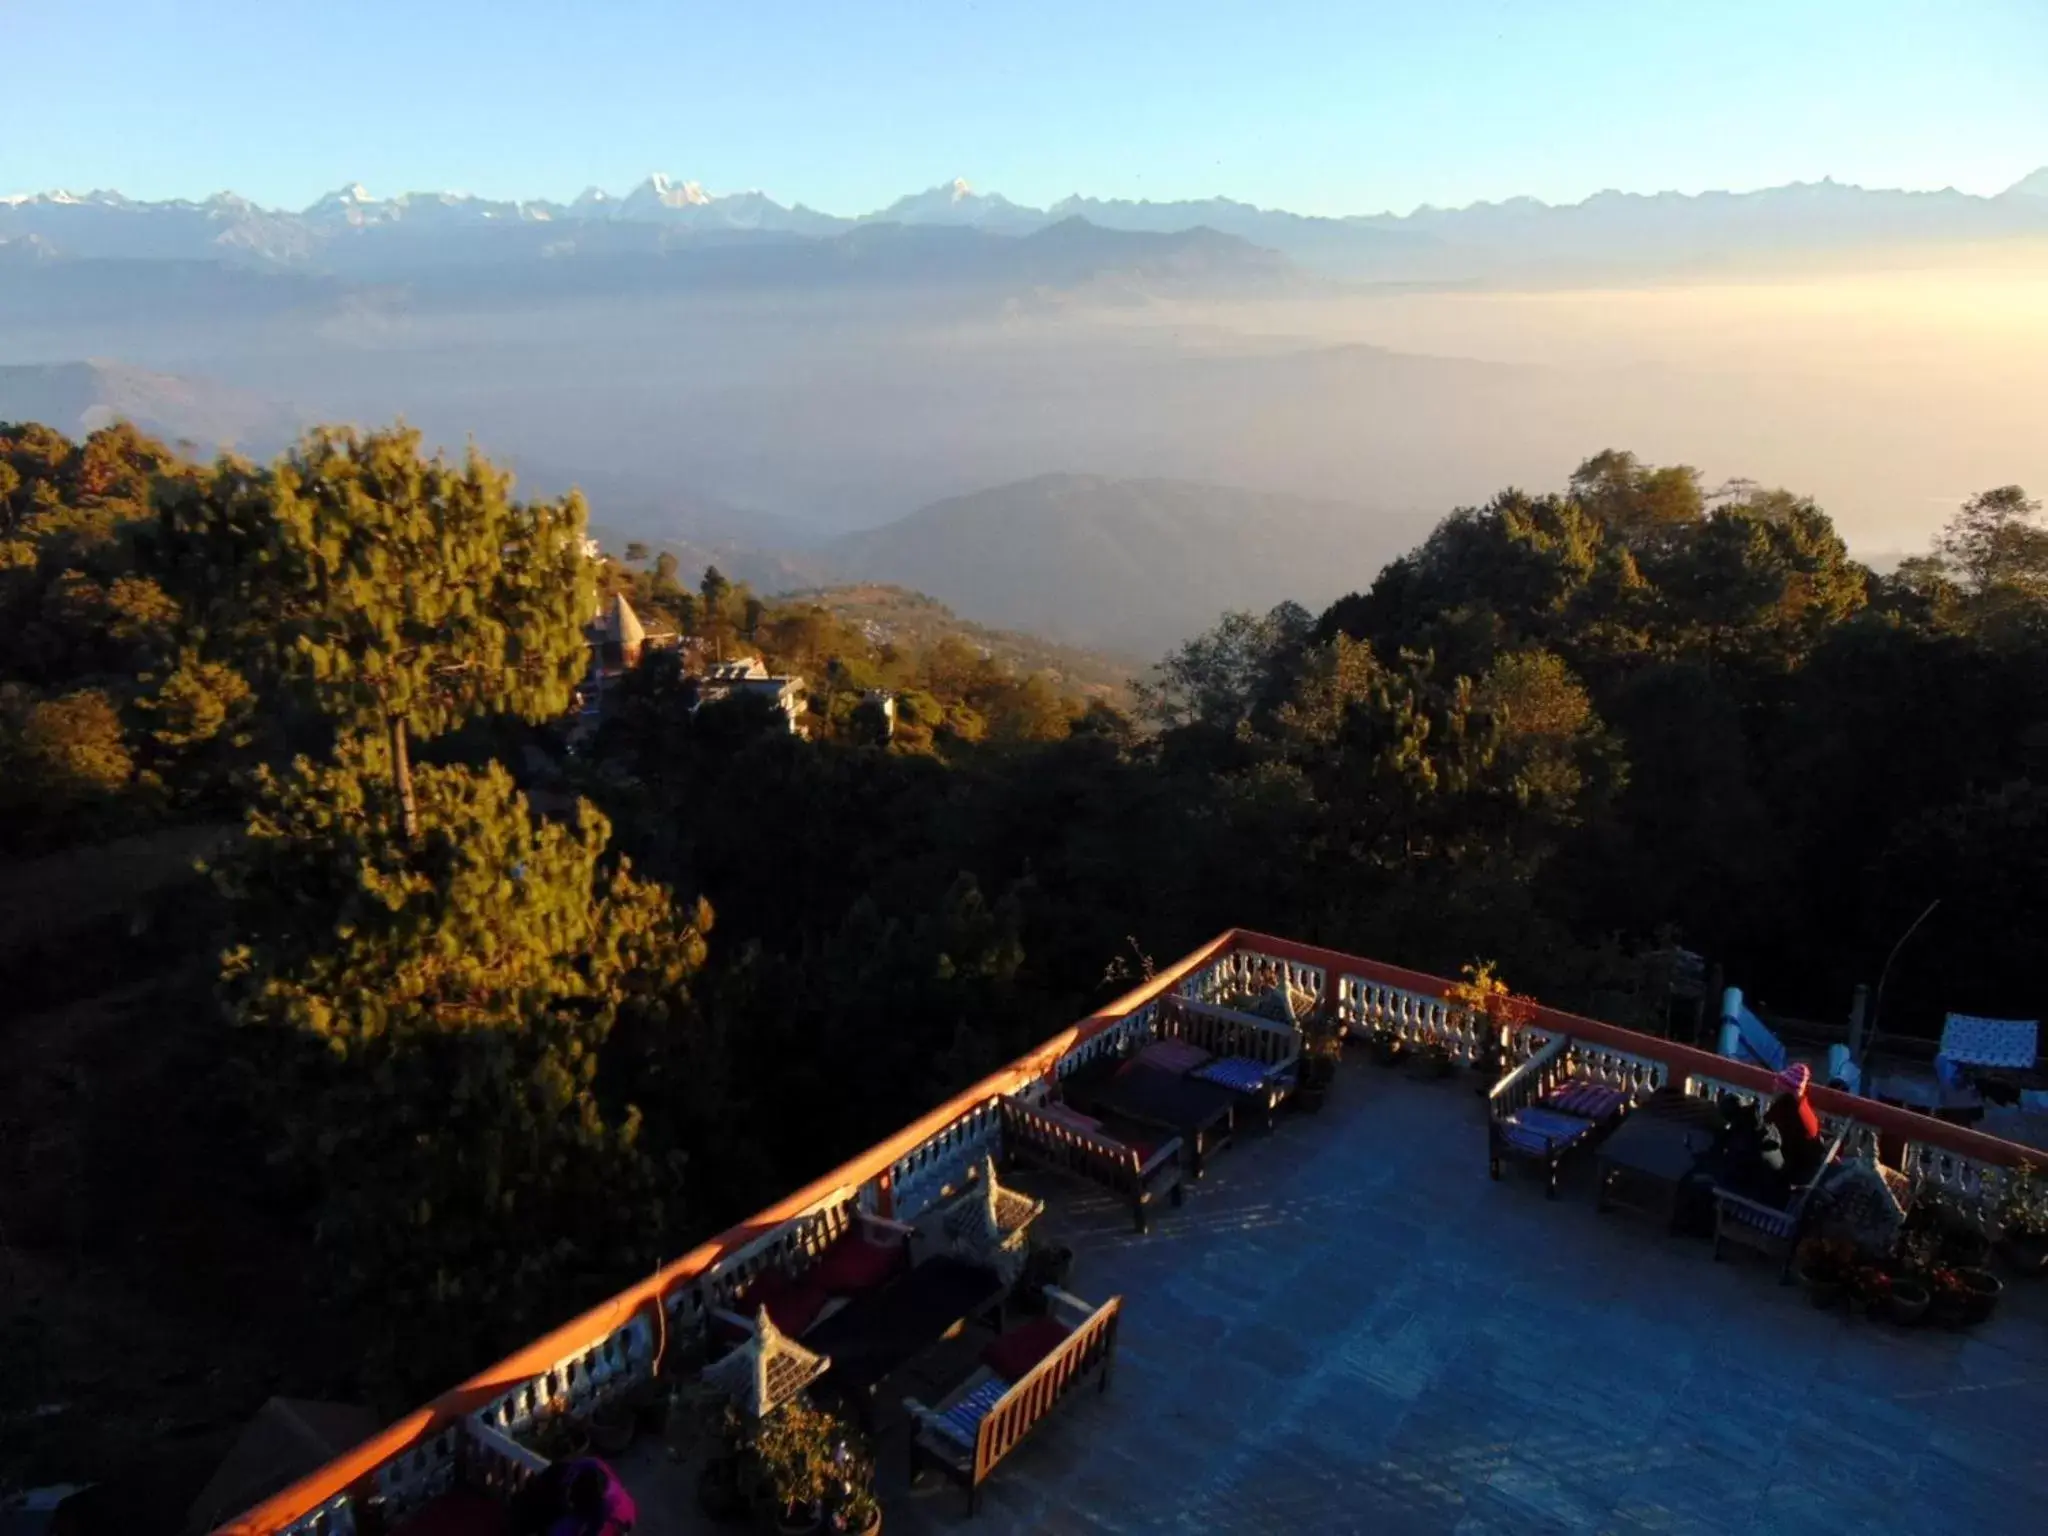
1348, 1324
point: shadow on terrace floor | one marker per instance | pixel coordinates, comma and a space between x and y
1350, 1327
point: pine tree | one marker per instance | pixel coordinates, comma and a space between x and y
407, 594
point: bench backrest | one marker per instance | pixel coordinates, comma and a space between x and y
1089, 1347
1227, 1032
1072, 1146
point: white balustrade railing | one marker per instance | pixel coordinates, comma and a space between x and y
592, 1376
335, 1517
938, 1167
493, 1462
1637, 1075
419, 1474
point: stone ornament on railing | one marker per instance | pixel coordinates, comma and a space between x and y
767, 1370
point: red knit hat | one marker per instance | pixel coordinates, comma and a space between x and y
1793, 1079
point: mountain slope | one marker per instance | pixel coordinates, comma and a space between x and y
77, 398
1129, 566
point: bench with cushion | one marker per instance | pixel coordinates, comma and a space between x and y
1023, 1376
1153, 1093
1256, 1058
1141, 1167
1542, 1113
1773, 1231
808, 1285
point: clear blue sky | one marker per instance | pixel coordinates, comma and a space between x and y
844, 104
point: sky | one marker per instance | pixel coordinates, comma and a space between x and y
1352, 106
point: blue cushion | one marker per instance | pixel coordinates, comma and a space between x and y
962, 1421
1542, 1131
1238, 1073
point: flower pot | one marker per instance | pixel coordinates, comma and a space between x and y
1908, 1302
1311, 1098
801, 1520
1388, 1051
1981, 1292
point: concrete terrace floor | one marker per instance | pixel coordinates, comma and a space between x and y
1349, 1327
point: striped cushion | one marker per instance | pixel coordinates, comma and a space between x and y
963, 1420
1594, 1101
1239, 1073
1770, 1223
1543, 1131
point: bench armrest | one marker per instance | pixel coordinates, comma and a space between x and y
1065, 1307
1168, 1151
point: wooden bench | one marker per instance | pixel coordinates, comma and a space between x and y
1024, 1375
1068, 1143
1772, 1231
1539, 1112
804, 1275
1256, 1057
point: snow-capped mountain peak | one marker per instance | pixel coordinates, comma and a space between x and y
667, 192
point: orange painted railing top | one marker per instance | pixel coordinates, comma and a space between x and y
359, 1465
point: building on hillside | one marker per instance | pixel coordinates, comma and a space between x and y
747, 677
616, 636
881, 704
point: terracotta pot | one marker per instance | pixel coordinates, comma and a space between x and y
1823, 1293
1908, 1302
1984, 1290
718, 1490
797, 1522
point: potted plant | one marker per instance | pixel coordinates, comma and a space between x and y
1948, 1298
851, 1503
1388, 1048
1824, 1266
2023, 1223
1907, 1300
795, 1445
1321, 1049
1869, 1289
1981, 1290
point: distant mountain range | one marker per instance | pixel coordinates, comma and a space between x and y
351, 231
79, 398
1125, 566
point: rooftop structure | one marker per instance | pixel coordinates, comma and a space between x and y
1344, 1323
748, 676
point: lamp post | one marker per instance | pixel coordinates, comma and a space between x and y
1877, 999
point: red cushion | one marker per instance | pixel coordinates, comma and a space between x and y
1067, 1115
1014, 1354
853, 1264
793, 1305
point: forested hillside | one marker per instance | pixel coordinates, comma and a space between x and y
446, 1067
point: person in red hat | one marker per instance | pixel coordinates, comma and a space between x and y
1797, 1124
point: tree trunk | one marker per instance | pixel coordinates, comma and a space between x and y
401, 773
